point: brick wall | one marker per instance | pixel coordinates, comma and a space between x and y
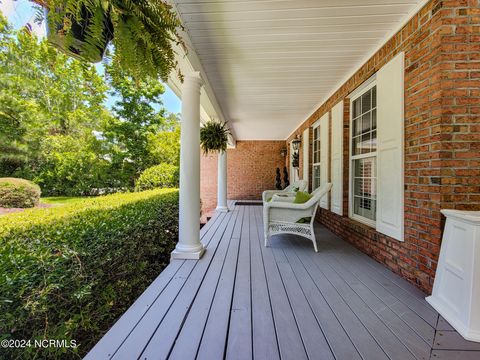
442, 134
250, 168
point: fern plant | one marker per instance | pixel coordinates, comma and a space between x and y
214, 137
142, 31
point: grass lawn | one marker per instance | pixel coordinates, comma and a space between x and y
47, 202
63, 200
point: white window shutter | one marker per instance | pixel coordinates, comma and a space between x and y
337, 159
324, 156
306, 146
390, 130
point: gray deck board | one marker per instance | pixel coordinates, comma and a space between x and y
289, 339
415, 303
455, 355
239, 341
444, 325
138, 338
414, 321
403, 290
452, 340
214, 337
412, 341
245, 301
357, 332
265, 345
392, 346
200, 287
341, 345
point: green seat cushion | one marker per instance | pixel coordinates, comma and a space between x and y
301, 197
269, 199
305, 220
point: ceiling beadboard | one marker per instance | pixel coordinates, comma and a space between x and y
270, 62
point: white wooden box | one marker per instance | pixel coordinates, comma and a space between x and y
456, 289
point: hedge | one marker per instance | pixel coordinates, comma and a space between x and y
18, 193
67, 273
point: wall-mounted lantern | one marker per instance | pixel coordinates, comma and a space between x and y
295, 156
296, 143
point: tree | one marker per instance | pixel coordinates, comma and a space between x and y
139, 125
164, 146
71, 166
56, 130
42, 92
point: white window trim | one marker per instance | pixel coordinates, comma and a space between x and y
314, 164
366, 85
370, 83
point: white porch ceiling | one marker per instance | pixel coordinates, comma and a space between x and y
270, 63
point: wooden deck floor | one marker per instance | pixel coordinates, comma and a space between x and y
245, 301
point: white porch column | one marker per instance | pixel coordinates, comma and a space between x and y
189, 246
222, 182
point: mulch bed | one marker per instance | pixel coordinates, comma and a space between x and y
14, 210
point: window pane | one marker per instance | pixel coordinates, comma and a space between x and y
316, 176
366, 125
356, 108
355, 130
366, 101
357, 172
366, 144
364, 207
364, 188
356, 206
367, 188
374, 97
374, 119
368, 167
374, 140
357, 187
355, 146
316, 144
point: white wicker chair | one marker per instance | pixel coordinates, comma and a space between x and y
300, 184
281, 217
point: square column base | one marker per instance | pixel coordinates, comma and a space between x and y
222, 209
445, 310
182, 255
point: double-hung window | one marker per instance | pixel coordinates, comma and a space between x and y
363, 156
316, 157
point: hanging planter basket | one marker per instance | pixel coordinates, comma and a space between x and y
143, 33
72, 36
214, 137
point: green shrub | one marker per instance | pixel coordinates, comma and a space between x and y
18, 193
72, 166
69, 272
158, 176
